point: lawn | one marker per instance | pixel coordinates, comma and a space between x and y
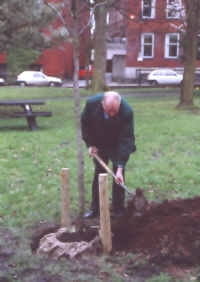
166, 164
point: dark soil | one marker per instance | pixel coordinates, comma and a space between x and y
148, 239
166, 232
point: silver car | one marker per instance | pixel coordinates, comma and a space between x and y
165, 77
37, 78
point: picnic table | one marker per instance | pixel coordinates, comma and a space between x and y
26, 110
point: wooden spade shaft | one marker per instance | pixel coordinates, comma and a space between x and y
104, 165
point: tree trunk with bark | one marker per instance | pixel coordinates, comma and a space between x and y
75, 35
98, 79
190, 50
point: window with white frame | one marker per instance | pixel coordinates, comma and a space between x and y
173, 9
148, 9
147, 45
172, 45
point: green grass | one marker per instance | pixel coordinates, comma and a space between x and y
12, 92
166, 164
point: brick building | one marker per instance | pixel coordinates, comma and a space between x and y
154, 36
142, 35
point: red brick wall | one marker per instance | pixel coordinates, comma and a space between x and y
159, 26
57, 61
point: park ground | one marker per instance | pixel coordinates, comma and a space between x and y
165, 167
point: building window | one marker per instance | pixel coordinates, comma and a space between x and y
172, 45
173, 9
148, 9
147, 44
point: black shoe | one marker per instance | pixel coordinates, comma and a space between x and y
91, 214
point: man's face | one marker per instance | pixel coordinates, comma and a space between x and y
111, 109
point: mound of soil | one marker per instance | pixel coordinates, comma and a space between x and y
167, 232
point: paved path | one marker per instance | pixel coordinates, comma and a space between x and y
136, 89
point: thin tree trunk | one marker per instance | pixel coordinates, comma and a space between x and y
98, 80
77, 107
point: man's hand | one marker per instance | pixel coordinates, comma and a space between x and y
92, 150
119, 176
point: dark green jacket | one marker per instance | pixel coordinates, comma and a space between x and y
115, 136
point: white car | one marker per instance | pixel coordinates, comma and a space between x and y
37, 78
164, 77
2, 81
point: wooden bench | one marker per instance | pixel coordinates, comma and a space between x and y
27, 112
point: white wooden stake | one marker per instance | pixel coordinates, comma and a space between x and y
105, 227
65, 198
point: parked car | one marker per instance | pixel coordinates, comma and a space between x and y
164, 77
2, 81
37, 78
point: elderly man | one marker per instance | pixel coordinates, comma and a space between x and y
108, 130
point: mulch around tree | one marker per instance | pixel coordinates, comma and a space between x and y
166, 233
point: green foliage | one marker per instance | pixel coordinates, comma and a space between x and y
23, 35
21, 24
19, 59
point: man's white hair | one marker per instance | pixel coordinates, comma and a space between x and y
111, 96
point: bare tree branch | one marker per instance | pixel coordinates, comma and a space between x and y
51, 6
92, 11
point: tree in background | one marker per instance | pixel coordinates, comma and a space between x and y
21, 36
100, 14
103, 33
18, 60
189, 43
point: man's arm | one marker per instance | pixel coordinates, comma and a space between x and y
119, 175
